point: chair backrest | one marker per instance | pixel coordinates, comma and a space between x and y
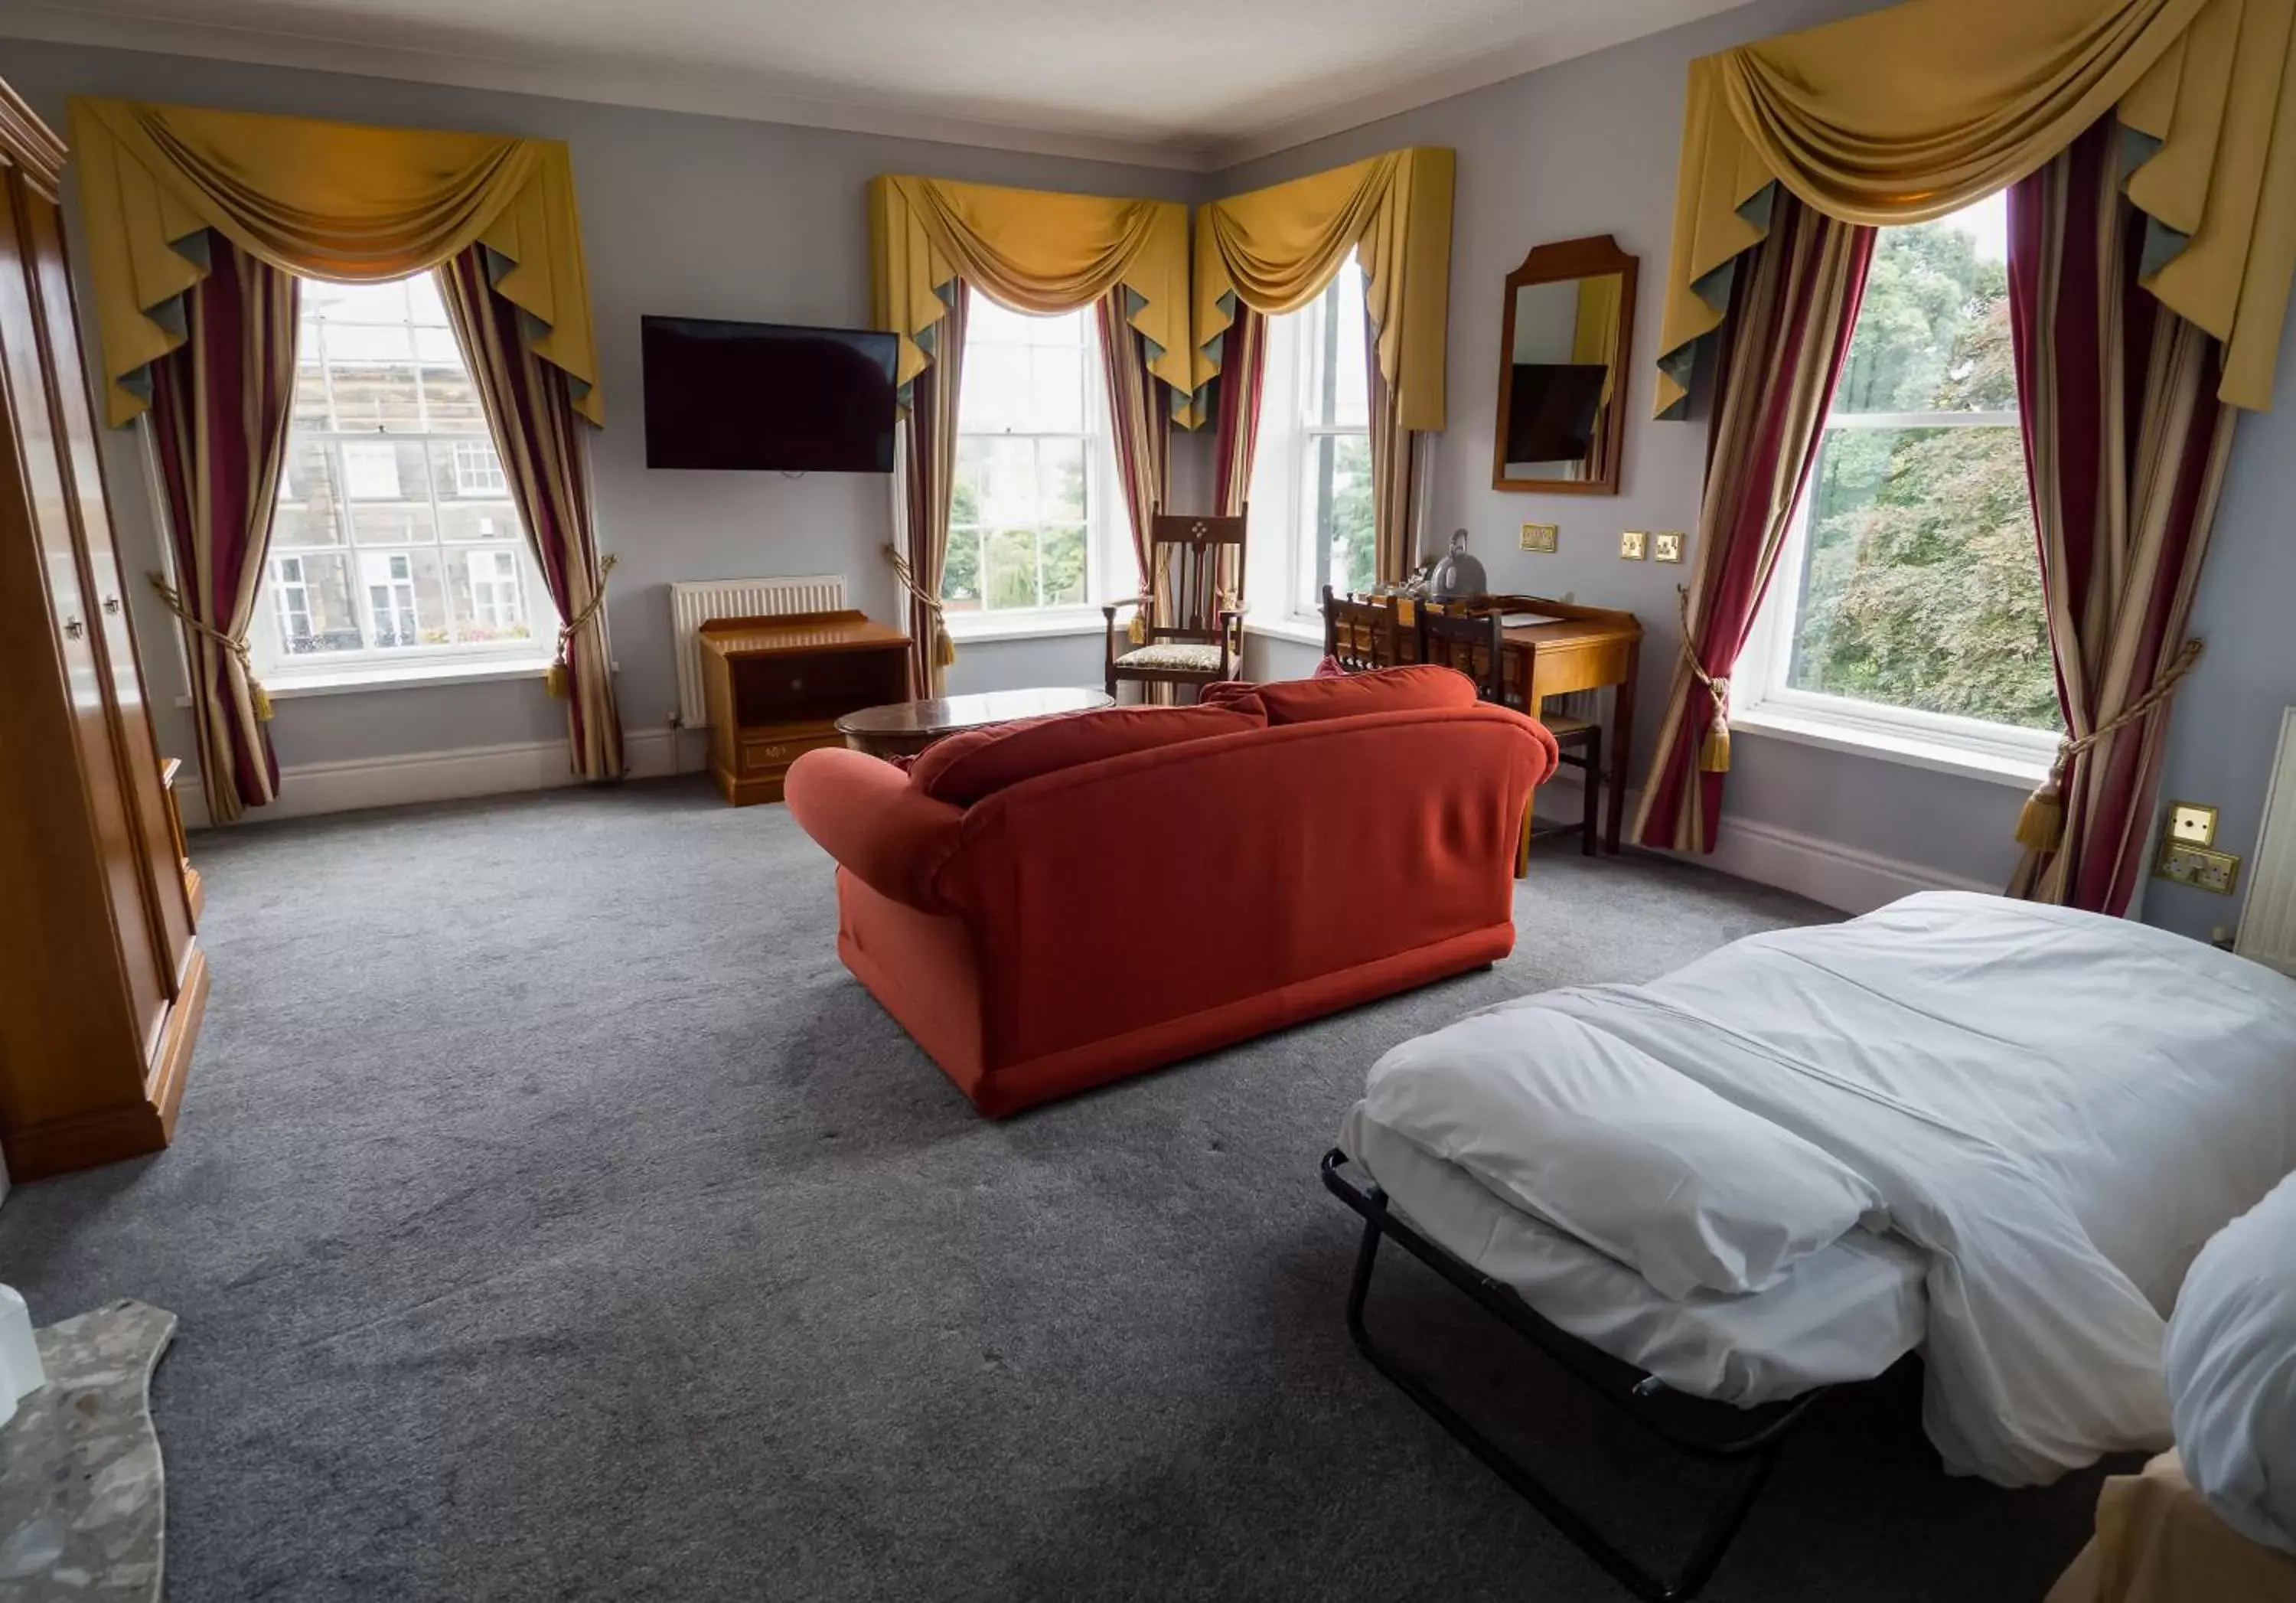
1473, 643
1356, 634
1195, 570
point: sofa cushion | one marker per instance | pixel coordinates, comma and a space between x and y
1419, 687
979, 763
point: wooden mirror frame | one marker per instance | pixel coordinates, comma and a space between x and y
1589, 258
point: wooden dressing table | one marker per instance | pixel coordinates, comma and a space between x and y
1589, 648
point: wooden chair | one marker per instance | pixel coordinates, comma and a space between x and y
1475, 644
1358, 635
1192, 564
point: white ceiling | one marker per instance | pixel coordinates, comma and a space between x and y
1195, 84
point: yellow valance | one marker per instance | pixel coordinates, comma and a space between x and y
1906, 114
323, 199
1277, 249
1035, 252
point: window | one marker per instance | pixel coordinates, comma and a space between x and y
1029, 521
1907, 600
395, 536
1310, 499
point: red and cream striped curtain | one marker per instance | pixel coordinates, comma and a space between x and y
926, 484
220, 405
1140, 419
1793, 306
2125, 446
1235, 436
1398, 466
530, 407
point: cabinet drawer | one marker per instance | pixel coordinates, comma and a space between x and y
773, 753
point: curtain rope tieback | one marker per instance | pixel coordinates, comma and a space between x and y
1714, 751
258, 700
2041, 824
944, 649
560, 681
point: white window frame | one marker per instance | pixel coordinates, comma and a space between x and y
1288, 557
384, 665
1761, 699
1111, 570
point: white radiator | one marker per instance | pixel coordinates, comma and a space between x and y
2267, 922
692, 605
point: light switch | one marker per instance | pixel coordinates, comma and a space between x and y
2191, 824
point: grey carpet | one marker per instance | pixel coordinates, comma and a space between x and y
552, 1217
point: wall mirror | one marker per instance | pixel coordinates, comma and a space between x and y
1563, 369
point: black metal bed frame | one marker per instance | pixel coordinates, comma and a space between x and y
1754, 1439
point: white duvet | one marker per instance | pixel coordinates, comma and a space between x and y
2059, 1109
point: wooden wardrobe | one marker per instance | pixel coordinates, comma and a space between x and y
102, 978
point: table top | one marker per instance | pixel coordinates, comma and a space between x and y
944, 714
797, 632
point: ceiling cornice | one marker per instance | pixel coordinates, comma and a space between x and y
744, 96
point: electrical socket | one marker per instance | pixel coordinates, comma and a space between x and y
2199, 866
1541, 537
1666, 545
1634, 545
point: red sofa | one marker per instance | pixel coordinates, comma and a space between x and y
1052, 904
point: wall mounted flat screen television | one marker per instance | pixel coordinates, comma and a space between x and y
767, 395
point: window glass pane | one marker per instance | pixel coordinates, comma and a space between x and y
452, 401
996, 389
1340, 495
354, 303
311, 602
1933, 329
310, 394
1349, 403
369, 397
960, 579
387, 485
1063, 549
1008, 559
369, 343
1059, 479
1921, 588
487, 589
437, 345
402, 599
308, 512
424, 302
1057, 392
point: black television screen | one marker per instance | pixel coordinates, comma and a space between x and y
767, 395
1551, 413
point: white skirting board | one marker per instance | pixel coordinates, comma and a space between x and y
1843, 877
323, 787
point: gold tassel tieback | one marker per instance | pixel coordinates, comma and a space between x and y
558, 681
944, 649
2041, 822
1714, 751
258, 699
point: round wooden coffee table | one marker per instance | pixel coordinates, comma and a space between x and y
904, 728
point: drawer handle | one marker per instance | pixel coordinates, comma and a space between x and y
773, 751
111, 605
74, 629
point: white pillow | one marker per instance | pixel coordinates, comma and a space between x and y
1589, 1134
2231, 1367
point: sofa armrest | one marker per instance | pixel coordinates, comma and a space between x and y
864, 813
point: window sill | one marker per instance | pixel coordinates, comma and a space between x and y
975, 628
1835, 734
283, 687
1299, 631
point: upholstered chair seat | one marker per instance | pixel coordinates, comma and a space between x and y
1188, 656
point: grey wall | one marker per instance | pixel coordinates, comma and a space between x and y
695, 216
1590, 146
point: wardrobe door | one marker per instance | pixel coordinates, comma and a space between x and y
165, 918
36, 418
